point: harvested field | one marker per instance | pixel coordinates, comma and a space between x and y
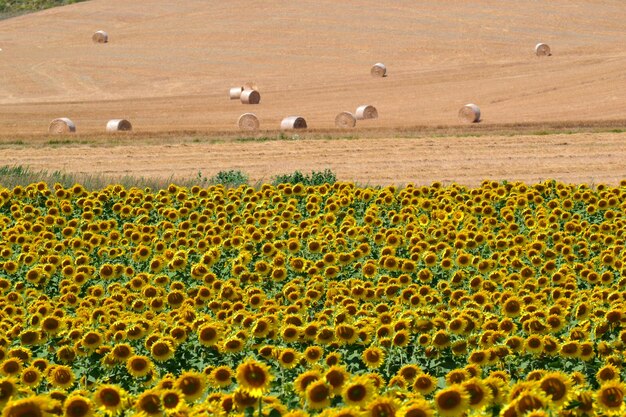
572, 158
155, 72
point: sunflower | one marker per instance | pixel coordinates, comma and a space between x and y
557, 386
373, 357
497, 387
425, 384
342, 412
346, 334
149, 403
288, 358
192, 384
359, 391
52, 325
401, 338
11, 367
61, 376
336, 376
162, 350
232, 345
110, 398
533, 344
512, 307
172, 400
313, 354
38, 406
318, 395
303, 380
452, 401
531, 399
222, 376
608, 372
480, 394
31, 376
209, 334
416, 408
609, 398
8, 388
77, 405
456, 376
139, 366
383, 407
122, 352
254, 377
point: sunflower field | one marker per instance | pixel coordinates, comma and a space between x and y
333, 300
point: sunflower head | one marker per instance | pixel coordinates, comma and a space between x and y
192, 384
557, 386
77, 405
480, 394
111, 398
149, 403
254, 377
610, 397
358, 391
452, 401
318, 395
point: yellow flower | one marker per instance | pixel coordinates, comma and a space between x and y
192, 384
480, 394
373, 357
359, 391
111, 398
452, 401
318, 395
31, 406
77, 405
609, 398
303, 380
254, 377
557, 386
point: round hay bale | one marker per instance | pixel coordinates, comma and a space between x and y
366, 112
235, 93
345, 120
248, 121
379, 70
100, 37
250, 97
541, 49
61, 126
119, 125
470, 113
293, 122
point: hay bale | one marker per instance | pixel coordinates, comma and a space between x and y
379, 70
366, 112
61, 126
293, 122
345, 120
470, 113
235, 93
100, 37
248, 121
541, 49
119, 125
250, 97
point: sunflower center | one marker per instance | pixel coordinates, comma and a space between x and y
356, 393
612, 397
110, 398
449, 400
555, 388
